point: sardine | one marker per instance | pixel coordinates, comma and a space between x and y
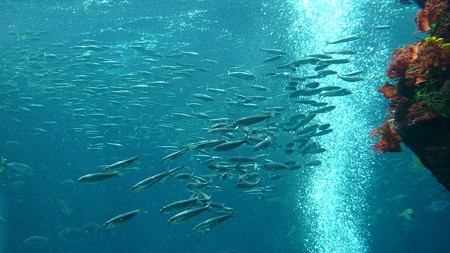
120, 165
210, 223
245, 75
174, 155
97, 177
188, 214
122, 218
342, 40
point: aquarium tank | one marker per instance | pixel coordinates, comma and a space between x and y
224, 126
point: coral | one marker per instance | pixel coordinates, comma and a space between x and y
419, 99
389, 90
431, 16
428, 57
402, 58
390, 141
422, 21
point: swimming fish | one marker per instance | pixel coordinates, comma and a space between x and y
97, 177
122, 218
120, 165
342, 40
210, 223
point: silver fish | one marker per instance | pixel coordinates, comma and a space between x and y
174, 155
274, 58
203, 97
336, 93
229, 145
120, 165
150, 181
351, 79
342, 40
188, 214
245, 75
97, 177
209, 143
250, 120
272, 51
179, 205
262, 144
210, 223
122, 218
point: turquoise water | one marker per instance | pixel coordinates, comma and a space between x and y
87, 84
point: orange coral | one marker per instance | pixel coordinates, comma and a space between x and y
428, 57
389, 90
434, 9
422, 22
390, 141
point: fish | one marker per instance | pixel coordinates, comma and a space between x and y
262, 144
121, 218
20, 168
120, 164
438, 206
335, 61
312, 85
152, 180
36, 241
313, 163
342, 40
351, 78
326, 72
174, 155
222, 130
353, 73
305, 60
408, 214
97, 177
179, 205
203, 97
275, 166
336, 93
272, 51
343, 52
308, 129
208, 143
381, 27
245, 185
229, 145
324, 109
188, 214
258, 87
301, 92
210, 223
261, 191
244, 75
250, 120
274, 58
322, 132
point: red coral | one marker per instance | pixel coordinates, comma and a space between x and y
434, 10
389, 90
428, 57
390, 141
401, 61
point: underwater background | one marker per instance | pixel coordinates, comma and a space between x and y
85, 84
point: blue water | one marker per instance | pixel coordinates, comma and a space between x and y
59, 102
